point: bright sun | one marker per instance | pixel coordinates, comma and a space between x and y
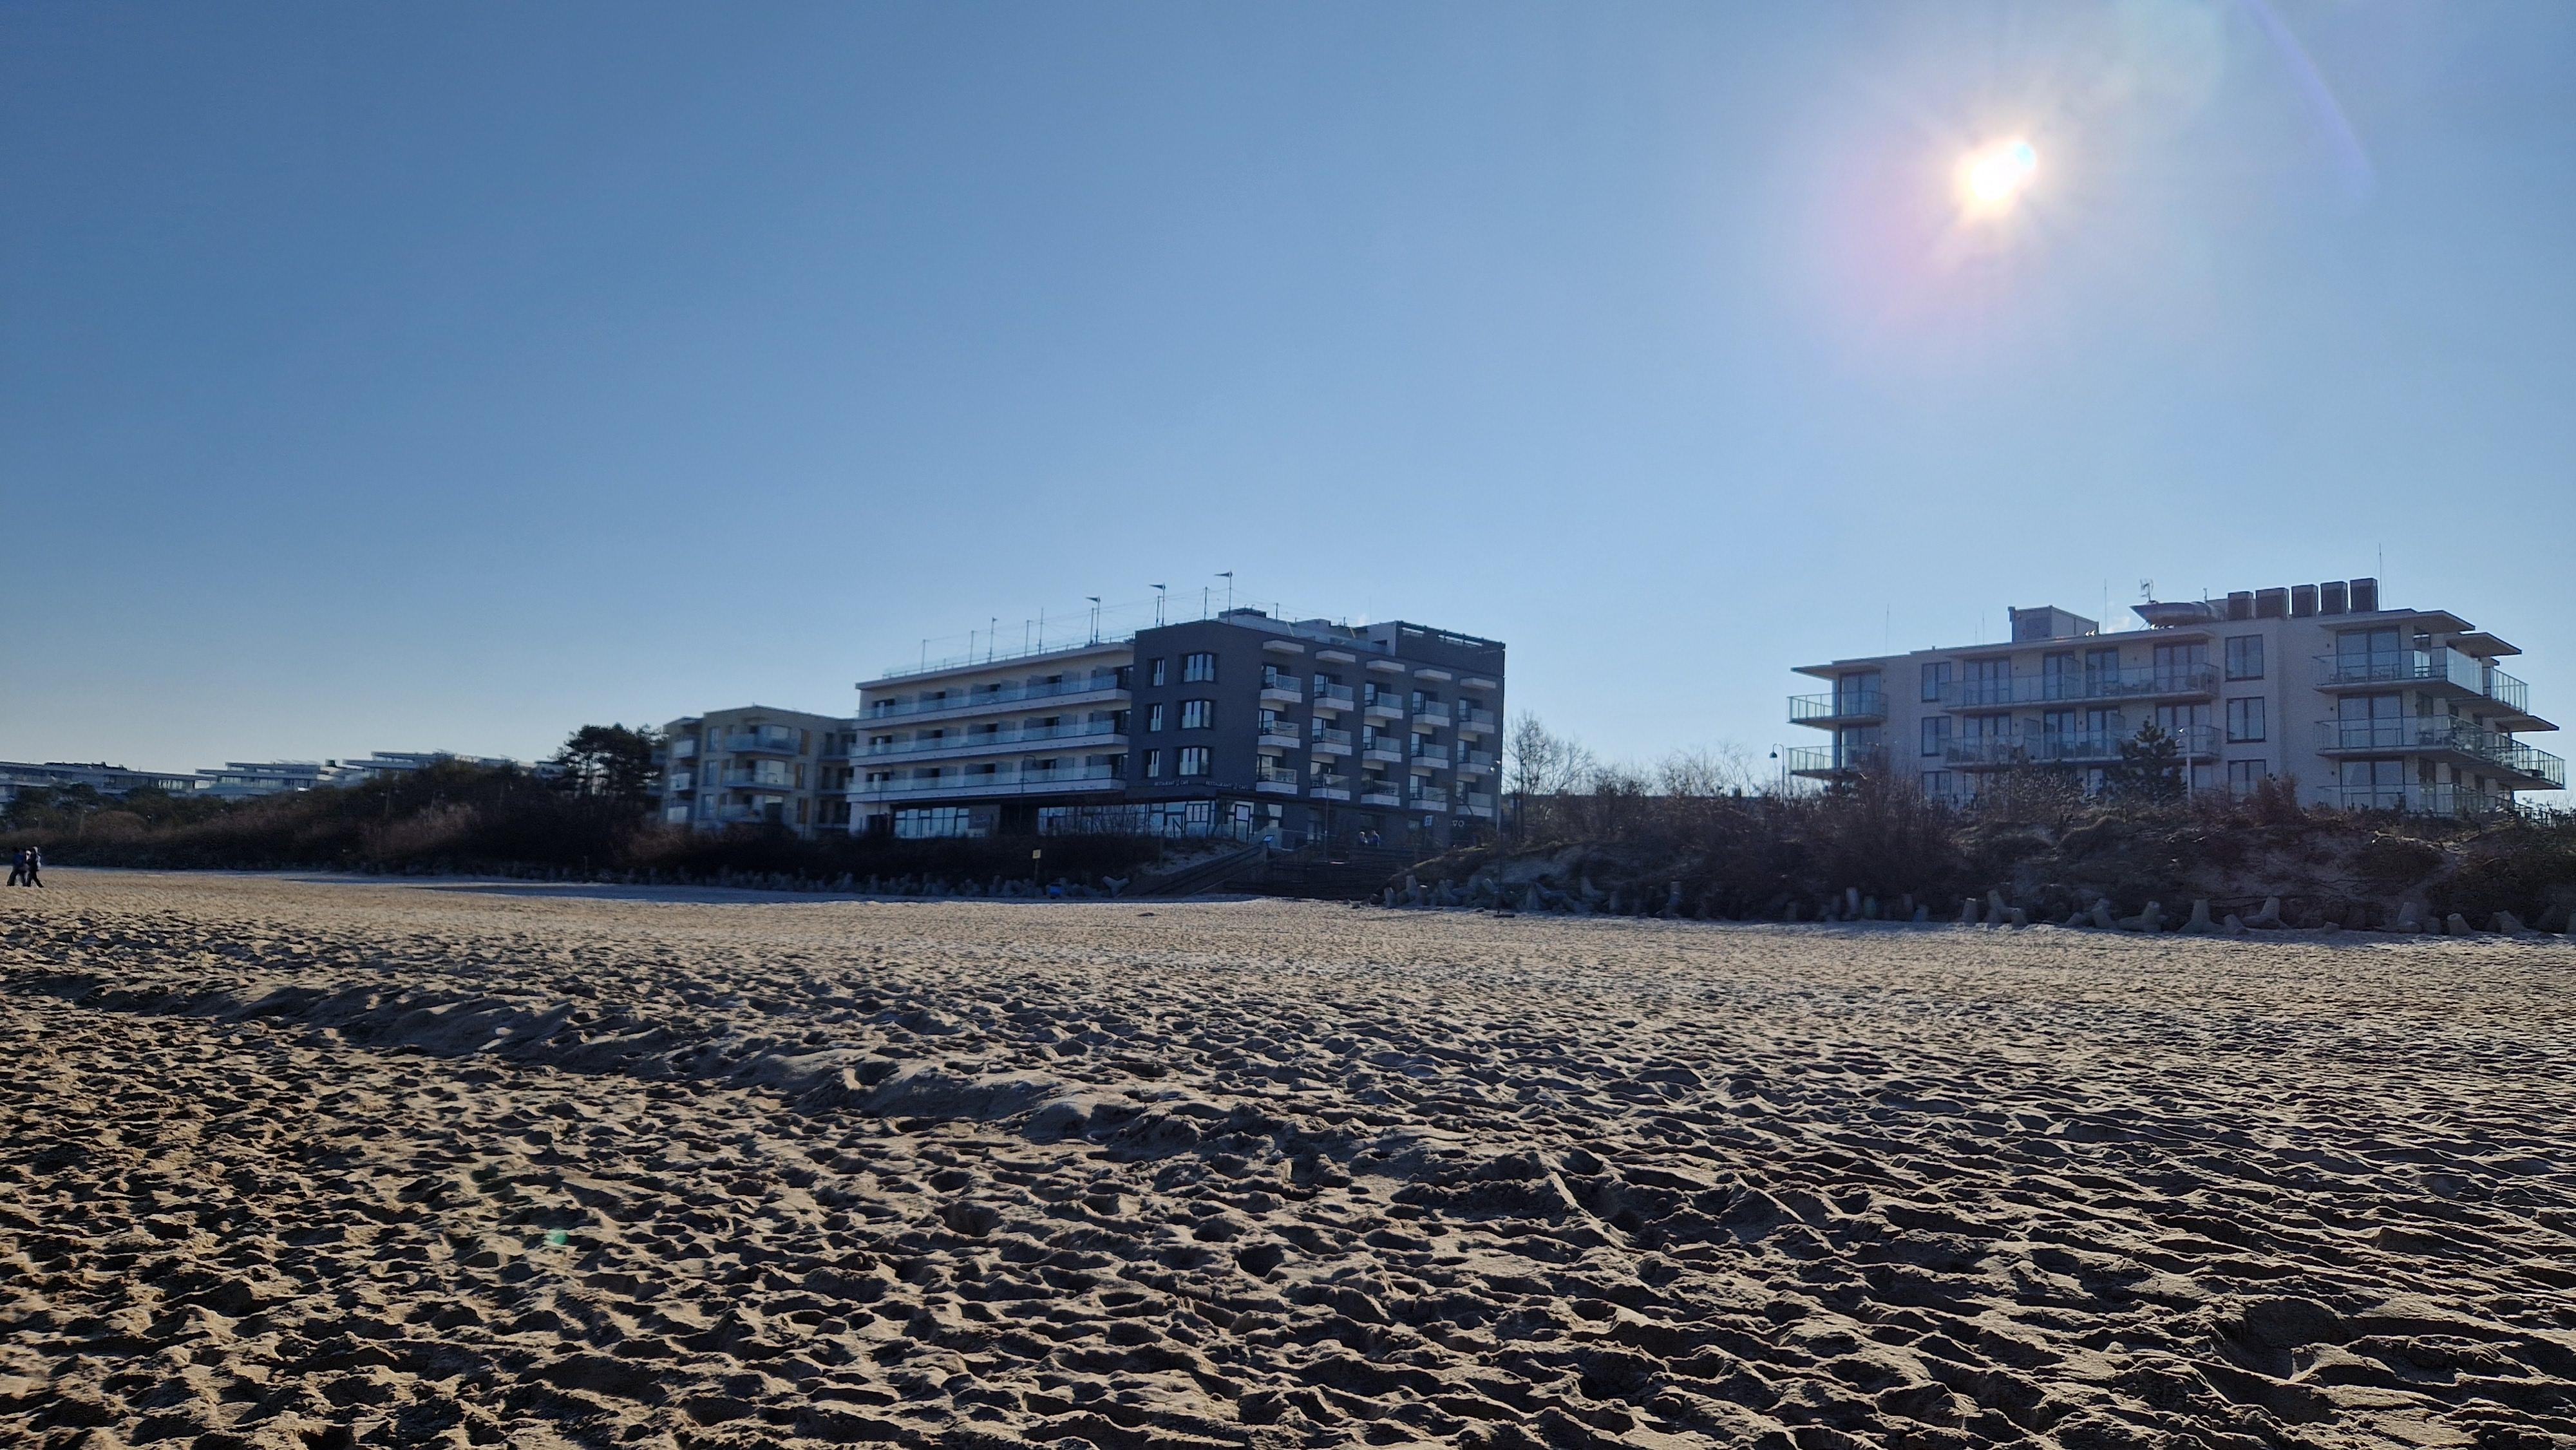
1998, 173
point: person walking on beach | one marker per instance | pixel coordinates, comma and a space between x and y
18, 866
35, 863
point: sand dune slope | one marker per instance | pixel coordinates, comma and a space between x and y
308, 1163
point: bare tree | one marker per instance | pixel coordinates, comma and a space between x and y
1725, 770
1540, 764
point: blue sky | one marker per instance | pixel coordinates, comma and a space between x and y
409, 377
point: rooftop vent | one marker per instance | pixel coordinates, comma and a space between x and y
2303, 600
2365, 596
2049, 622
2333, 597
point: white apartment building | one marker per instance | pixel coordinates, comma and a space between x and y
756, 765
2364, 707
964, 749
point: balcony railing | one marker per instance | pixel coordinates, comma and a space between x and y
1480, 803
773, 742
2420, 666
1341, 738
1475, 762
1333, 787
1431, 712
2044, 688
1330, 696
2446, 736
986, 699
998, 782
2420, 800
997, 739
1282, 685
1386, 750
1387, 705
1469, 719
1825, 760
1272, 775
1840, 705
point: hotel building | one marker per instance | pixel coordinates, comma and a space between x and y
1243, 726
757, 766
2364, 707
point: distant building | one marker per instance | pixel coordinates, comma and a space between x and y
242, 779
757, 766
1240, 726
2365, 707
107, 780
389, 764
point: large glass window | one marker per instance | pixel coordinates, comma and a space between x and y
1936, 678
1154, 716
1936, 734
1198, 714
2245, 719
1198, 668
1154, 671
2245, 657
1153, 765
1194, 762
2242, 774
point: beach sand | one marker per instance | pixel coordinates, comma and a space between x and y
304, 1162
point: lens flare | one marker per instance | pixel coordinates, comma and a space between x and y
1998, 173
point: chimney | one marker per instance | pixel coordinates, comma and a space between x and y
2333, 597
2365, 596
2240, 604
2271, 603
2303, 600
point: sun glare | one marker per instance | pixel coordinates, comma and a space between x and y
1997, 174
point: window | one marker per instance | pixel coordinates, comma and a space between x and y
1936, 734
1197, 669
1194, 762
1123, 677
1154, 717
2242, 774
1270, 724
1198, 714
1273, 679
1936, 678
2245, 657
1936, 783
1153, 765
1154, 671
2245, 719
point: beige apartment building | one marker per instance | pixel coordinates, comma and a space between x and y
2363, 707
757, 766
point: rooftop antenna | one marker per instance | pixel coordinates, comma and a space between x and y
992, 629
1228, 577
1160, 594
2146, 592
1095, 617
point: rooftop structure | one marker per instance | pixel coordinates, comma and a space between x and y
107, 780
2364, 707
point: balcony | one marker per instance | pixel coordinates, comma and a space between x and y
2068, 747
1276, 780
1431, 715
1280, 691
1280, 738
1475, 762
1334, 699
978, 741
1843, 707
1825, 762
2173, 681
683, 749
2420, 800
764, 742
2448, 670
1331, 742
1384, 753
1475, 722
1380, 794
1104, 683
741, 778
992, 783
1331, 788
1435, 801
1427, 762
1479, 804
2440, 735
1383, 708
683, 780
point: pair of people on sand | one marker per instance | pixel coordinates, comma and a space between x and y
24, 865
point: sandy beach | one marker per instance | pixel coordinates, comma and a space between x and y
303, 1162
